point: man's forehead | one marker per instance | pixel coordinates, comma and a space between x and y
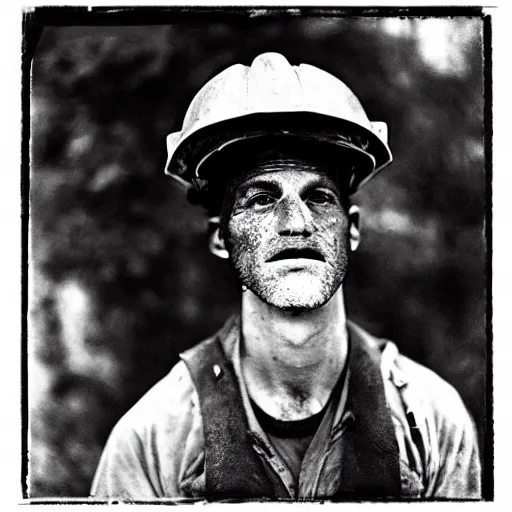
287, 163
285, 172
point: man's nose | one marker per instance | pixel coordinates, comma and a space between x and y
294, 217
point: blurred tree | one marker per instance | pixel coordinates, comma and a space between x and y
121, 278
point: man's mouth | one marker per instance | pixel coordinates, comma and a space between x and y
293, 254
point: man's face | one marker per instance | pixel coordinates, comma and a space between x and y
288, 234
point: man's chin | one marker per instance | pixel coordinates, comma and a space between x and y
296, 296
297, 306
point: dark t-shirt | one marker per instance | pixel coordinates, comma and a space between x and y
290, 438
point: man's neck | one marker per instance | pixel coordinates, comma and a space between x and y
292, 361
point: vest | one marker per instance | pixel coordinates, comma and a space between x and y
233, 470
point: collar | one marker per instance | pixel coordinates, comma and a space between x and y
230, 338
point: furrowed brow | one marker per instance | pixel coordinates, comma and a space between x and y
260, 184
320, 183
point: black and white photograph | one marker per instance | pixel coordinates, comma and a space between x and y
256, 255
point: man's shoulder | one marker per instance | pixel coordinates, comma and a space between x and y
153, 447
417, 375
423, 391
172, 397
433, 425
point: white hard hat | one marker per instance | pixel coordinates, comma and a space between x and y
271, 96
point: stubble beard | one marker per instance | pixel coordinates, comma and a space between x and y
294, 290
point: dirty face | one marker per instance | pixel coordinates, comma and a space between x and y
288, 233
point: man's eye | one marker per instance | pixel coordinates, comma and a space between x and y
260, 200
320, 198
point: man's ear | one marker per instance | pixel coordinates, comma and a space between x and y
354, 232
215, 242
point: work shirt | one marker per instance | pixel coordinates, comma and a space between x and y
291, 439
157, 449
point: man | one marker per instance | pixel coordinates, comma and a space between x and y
289, 400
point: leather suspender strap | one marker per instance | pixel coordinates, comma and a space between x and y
233, 470
370, 461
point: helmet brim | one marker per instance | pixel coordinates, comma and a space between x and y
189, 152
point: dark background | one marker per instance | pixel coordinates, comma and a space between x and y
120, 279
